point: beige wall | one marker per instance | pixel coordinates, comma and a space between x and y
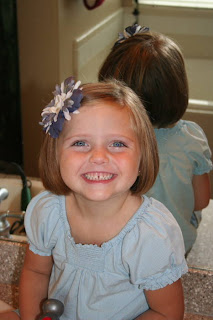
46, 31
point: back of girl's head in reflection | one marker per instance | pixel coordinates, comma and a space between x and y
153, 66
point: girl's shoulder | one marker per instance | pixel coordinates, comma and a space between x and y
44, 205
156, 219
44, 221
196, 147
44, 197
189, 129
152, 222
186, 138
192, 129
153, 250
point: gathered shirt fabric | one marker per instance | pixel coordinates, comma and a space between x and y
106, 282
184, 152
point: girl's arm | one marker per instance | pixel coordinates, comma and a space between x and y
202, 190
34, 284
165, 304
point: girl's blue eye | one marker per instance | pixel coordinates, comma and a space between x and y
79, 144
118, 144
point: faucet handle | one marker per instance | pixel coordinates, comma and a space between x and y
3, 194
52, 309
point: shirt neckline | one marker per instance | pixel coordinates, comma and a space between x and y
105, 245
169, 131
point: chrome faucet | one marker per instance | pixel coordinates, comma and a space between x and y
5, 224
5, 227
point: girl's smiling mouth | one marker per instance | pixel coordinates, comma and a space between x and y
98, 176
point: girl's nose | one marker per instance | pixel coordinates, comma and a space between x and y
99, 155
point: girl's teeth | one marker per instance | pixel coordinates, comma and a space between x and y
98, 176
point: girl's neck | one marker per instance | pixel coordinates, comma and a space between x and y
99, 222
109, 208
167, 127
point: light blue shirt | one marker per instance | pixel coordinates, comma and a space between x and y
106, 282
183, 152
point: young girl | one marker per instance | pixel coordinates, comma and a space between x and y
96, 242
153, 66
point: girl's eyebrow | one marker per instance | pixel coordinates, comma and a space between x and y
77, 136
111, 136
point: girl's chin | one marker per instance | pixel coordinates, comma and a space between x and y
98, 196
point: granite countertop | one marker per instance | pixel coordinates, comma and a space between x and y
12, 253
201, 255
12, 257
9, 293
198, 292
191, 316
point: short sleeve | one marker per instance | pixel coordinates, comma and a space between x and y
42, 223
153, 252
198, 149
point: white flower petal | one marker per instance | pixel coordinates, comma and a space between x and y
69, 94
62, 87
63, 96
44, 112
67, 114
52, 110
137, 29
58, 104
55, 118
78, 83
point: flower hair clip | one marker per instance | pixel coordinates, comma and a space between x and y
130, 32
67, 99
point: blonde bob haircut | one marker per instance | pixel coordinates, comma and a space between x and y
115, 92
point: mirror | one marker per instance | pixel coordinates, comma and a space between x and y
76, 41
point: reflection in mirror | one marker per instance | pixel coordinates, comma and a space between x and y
194, 33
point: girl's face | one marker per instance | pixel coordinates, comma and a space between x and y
98, 152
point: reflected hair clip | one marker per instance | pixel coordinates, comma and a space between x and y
130, 32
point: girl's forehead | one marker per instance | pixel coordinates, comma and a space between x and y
99, 109
101, 104
101, 116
